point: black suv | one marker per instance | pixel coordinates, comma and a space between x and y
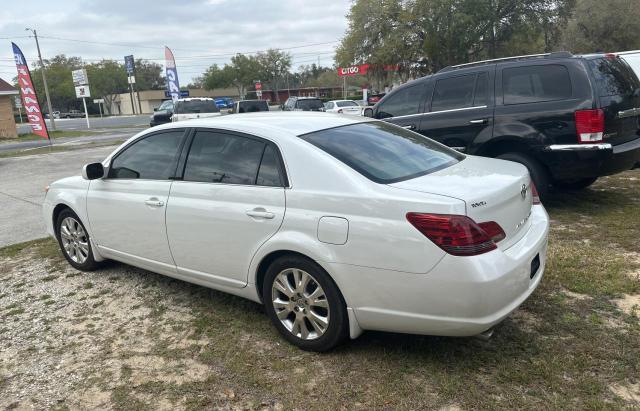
303, 104
569, 119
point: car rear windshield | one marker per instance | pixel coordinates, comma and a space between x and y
196, 106
310, 104
613, 76
346, 104
252, 106
382, 152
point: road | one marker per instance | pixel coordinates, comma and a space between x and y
22, 183
96, 122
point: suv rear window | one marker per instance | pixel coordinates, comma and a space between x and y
382, 152
613, 76
252, 106
531, 84
309, 104
196, 106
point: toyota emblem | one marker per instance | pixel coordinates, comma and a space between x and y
523, 191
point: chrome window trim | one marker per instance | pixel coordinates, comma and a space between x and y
436, 112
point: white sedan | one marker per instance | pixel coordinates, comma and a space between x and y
343, 107
337, 224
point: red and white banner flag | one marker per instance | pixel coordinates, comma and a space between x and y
29, 97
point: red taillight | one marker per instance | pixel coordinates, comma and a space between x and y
589, 125
457, 234
534, 194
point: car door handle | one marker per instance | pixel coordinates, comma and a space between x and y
154, 202
479, 121
260, 213
410, 127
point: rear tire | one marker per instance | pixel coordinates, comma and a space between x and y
578, 184
304, 304
537, 171
74, 241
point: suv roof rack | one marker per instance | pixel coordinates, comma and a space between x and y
556, 54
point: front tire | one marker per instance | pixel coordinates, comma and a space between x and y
537, 171
74, 241
304, 304
578, 184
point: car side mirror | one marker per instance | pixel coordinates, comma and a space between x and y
155, 109
93, 171
368, 112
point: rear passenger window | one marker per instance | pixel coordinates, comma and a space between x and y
536, 83
402, 103
452, 93
269, 173
223, 158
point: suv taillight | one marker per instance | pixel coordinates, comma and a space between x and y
457, 234
590, 125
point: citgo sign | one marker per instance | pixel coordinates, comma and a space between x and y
353, 70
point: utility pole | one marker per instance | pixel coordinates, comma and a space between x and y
44, 80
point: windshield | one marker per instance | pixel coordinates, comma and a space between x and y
346, 104
196, 106
166, 105
309, 104
382, 152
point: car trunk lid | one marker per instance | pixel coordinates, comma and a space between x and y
493, 190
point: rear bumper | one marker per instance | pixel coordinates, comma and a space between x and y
577, 161
461, 296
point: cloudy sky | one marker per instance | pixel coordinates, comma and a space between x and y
200, 32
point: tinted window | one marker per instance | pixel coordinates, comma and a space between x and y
166, 105
481, 96
536, 83
196, 106
634, 61
455, 92
150, 158
269, 173
252, 106
404, 102
613, 76
382, 152
309, 104
223, 158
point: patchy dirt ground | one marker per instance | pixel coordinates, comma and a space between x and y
124, 338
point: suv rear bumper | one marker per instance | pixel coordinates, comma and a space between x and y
577, 161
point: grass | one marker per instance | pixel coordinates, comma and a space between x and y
564, 348
59, 148
53, 134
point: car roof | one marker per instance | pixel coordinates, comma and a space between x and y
194, 98
274, 125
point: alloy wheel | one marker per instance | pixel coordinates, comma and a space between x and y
75, 241
300, 303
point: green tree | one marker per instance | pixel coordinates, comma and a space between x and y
215, 77
107, 79
242, 71
423, 36
597, 25
149, 75
61, 89
273, 65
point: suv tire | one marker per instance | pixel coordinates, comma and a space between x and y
538, 172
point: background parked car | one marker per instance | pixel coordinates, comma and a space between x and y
569, 119
374, 98
162, 114
56, 114
224, 102
188, 108
71, 114
250, 106
303, 104
343, 107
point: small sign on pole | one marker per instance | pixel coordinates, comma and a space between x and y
99, 102
83, 91
129, 64
80, 77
